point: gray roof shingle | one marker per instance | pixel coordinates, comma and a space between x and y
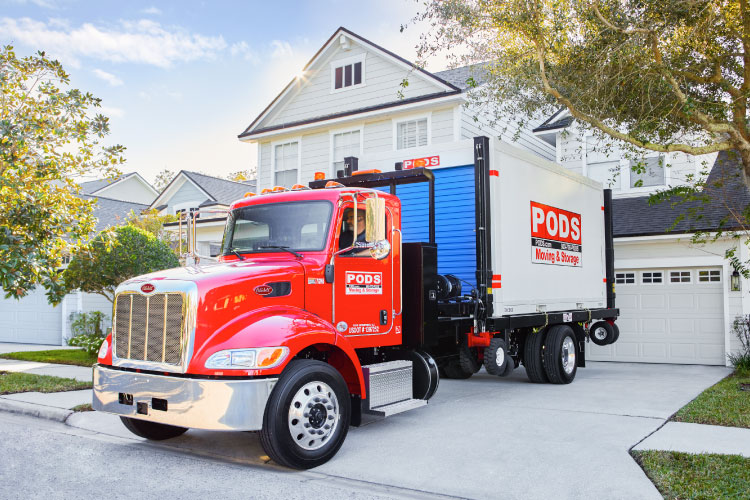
91, 187
221, 190
111, 212
725, 187
460, 76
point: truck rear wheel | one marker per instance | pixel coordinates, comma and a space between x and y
307, 416
153, 431
496, 357
560, 355
532, 357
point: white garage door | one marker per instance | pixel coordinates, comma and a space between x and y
30, 320
668, 316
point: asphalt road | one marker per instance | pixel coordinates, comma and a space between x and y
41, 459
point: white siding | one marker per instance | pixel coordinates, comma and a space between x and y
442, 126
130, 189
378, 136
265, 176
186, 193
477, 123
571, 147
314, 97
316, 156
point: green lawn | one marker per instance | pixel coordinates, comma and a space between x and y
721, 404
83, 407
77, 357
12, 382
683, 475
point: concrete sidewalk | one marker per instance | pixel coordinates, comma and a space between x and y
698, 438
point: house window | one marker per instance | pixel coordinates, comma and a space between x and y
286, 164
650, 172
624, 278
411, 133
651, 277
709, 276
608, 173
347, 75
345, 144
680, 276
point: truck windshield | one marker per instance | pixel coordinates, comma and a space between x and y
299, 226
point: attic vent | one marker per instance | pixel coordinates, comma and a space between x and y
344, 42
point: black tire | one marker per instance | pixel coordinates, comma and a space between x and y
303, 380
602, 333
560, 355
509, 366
453, 369
497, 348
468, 359
532, 357
617, 332
153, 431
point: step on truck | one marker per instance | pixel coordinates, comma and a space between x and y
346, 299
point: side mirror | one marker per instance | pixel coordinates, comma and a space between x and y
375, 228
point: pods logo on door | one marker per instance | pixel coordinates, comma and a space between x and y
555, 236
364, 283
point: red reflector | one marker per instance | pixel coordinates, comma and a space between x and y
602, 208
495, 173
371, 171
605, 280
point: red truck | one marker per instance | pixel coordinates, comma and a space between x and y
308, 321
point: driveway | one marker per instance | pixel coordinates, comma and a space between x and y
488, 437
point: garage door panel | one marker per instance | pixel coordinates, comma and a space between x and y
653, 301
683, 325
668, 323
654, 325
682, 301
30, 320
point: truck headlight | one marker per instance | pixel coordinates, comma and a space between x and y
103, 349
247, 359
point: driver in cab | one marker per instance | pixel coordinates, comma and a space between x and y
347, 235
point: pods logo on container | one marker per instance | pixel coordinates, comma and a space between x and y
555, 236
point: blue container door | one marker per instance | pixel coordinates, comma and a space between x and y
454, 219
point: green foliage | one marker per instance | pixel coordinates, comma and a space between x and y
243, 175
110, 260
11, 383
163, 179
705, 476
88, 331
741, 359
153, 223
75, 357
49, 136
724, 403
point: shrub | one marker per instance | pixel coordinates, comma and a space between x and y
741, 359
88, 330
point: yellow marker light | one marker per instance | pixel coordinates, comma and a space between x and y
319, 176
299, 187
270, 356
266, 191
249, 194
333, 184
279, 189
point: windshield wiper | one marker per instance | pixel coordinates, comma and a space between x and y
238, 254
287, 249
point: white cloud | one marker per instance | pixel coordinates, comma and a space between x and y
110, 112
141, 41
47, 4
242, 49
107, 77
153, 11
281, 49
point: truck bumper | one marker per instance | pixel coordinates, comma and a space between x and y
185, 402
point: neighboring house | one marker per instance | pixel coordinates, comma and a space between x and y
131, 188
32, 320
192, 191
676, 301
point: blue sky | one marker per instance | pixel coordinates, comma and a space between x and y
180, 80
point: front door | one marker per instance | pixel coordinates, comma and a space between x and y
363, 308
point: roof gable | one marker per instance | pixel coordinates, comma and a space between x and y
313, 97
214, 189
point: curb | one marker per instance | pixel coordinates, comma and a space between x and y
35, 410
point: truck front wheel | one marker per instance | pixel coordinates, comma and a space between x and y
307, 416
152, 430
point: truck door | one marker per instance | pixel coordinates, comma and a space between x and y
363, 303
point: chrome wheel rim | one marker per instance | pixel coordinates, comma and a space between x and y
600, 333
568, 355
314, 415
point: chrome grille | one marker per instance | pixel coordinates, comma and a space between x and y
149, 328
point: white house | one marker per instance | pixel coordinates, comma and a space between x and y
32, 320
675, 299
